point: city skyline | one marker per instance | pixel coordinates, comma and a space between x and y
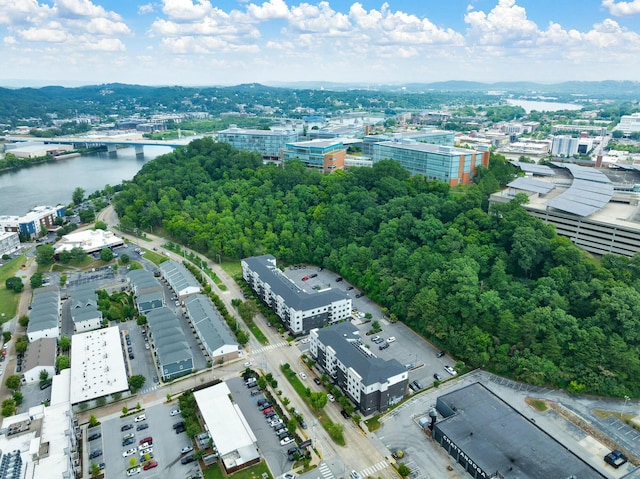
207, 42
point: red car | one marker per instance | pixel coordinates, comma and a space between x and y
150, 465
147, 439
267, 411
305, 278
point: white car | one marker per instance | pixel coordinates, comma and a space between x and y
186, 449
146, 346
147, 450
133, 472
302, 375
391, 339
287, 440
247, 364
331, 398
305, 340
355, 475
175, 412
130, 452
140, 418
144, 445
275, 423
450, 370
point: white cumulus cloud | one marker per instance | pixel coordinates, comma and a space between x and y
622, 8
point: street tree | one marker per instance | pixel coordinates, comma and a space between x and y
100, 225
45, 255
23, 321
44, 376
22, 343
318, 400
62, 362
13, 382
106, 254
136, 381
14, 284
36, 280
64, 343
78, 195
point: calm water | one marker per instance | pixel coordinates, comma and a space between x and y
543, 105
53, 183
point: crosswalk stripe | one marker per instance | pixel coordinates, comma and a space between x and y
369, 471
325, 471
269, 347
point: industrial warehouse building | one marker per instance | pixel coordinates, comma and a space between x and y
299, 311
170, 347
489, 438
372, 383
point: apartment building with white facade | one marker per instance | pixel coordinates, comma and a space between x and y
372, 383
299, 311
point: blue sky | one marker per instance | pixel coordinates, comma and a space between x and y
223, 42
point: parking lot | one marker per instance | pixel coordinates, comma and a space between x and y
166, 444
418, 355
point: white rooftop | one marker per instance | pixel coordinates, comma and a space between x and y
97, 365
226, 423
89, 240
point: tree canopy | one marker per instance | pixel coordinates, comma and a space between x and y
498, 288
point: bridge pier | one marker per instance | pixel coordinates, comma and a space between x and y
139, 150
111, 148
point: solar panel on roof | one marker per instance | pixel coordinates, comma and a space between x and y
528, 184
541, 170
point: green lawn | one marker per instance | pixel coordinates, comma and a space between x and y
8, 299
253, 472
232, 267
154, 257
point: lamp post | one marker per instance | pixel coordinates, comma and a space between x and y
624, 409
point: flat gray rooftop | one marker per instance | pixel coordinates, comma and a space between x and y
498, 438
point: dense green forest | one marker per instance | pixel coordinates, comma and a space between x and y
498, 289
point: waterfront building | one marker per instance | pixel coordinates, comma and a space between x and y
448, 164
324, 155
629, 123
9, 242
269, 143
34, 222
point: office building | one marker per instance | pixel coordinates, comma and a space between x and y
269, 143
564, 145
9, 242
448, 164
324, 155
299, 311
372, 383
629, 123
425, 135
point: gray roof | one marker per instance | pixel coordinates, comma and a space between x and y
540, 170
293, 296
45, 309
87, 313
168, 338
150, 300
144, 280
498, 438
210, 326
589, 192
41, 352
344, 340
529, 184
178, 277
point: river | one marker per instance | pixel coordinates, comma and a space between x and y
53, 183
529, 105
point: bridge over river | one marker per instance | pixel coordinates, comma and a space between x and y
112, 142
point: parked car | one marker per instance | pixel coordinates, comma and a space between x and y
302, 375
186, 449
133, 471
359, 295
96, 453
175, 412
286, 440
142, 426
148, 440
440, 354
437, 377
267, 410
384, 345
450, 370
391, 339
355, 475
178, 424
349, 288
314, 275
94, 436
180, 430
150, 465
338, 279
140, 418
305, 278
317, 381
330, 398
345, 414
146, 450
128, 441
188, 459
130, 452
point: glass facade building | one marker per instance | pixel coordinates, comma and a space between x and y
325, 155
451, 165
269, 143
